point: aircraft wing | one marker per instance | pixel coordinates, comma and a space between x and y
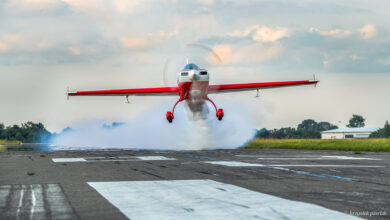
254, 86
157, 91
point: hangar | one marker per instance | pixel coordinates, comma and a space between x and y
343, 133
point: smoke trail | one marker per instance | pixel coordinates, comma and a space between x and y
150, 130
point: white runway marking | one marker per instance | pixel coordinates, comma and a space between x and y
154, 158
309, 158
110, 159
37, 201
350, 158
243, 164
204, 199
67, 160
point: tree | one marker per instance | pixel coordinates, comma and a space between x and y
383, 132
357, 121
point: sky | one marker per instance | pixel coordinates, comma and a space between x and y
49, 45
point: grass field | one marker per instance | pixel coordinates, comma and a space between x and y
5, 142
356, 145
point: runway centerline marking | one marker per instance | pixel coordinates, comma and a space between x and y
309, 158
110, 159
244, 164
204, 199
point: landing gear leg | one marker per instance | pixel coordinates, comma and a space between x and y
170, 115
219, 112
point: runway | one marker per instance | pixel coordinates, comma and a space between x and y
213, 184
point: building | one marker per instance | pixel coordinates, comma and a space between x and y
342, 133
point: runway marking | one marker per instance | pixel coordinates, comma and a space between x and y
110, 159
351, 158
37, 201
243, 164
67, 160
309, 158
154, 158
204, 199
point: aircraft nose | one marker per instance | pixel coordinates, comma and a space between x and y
194, 75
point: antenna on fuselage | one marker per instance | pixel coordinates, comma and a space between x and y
187, 60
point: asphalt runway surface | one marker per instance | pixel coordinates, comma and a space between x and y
213, 184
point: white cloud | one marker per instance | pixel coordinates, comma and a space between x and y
206, 2
131, 42
8, 42
267, 34
102, 8
252, 52
368, 31
31, 5
74, 51
134, 42
264, 34
335, 32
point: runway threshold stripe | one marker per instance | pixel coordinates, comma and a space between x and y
67, 160
154, 158
204, 199
243, 164
36, 201
110, 159
309, 158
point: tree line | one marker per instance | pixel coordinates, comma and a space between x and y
31, 132
309, 128
28, 132
306, 129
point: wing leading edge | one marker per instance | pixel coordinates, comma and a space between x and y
254, 86
125, 92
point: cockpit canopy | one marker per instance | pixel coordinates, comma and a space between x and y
191, 66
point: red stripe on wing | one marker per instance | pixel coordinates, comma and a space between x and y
248, 86
140, 91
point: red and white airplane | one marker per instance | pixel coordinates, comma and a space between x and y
193, 87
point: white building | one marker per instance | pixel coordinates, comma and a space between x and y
342, 133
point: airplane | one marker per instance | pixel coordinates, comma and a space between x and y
193, 87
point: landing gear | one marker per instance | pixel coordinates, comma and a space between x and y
219, 112
170, 115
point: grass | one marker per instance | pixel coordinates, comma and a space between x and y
5, 142
357, 145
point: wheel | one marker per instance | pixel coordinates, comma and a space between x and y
220, 118
170, 120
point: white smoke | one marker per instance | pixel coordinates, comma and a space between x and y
151, 130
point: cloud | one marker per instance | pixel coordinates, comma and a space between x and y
226, 54
267, 34
246, 52
264, 34
8, 42
206, 2
134, 42
368, 31
74, 51
31, 5
102, 8
335, 32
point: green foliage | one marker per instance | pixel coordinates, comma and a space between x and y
356, 145
383, 132
307, 129
357, 121
28, 132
